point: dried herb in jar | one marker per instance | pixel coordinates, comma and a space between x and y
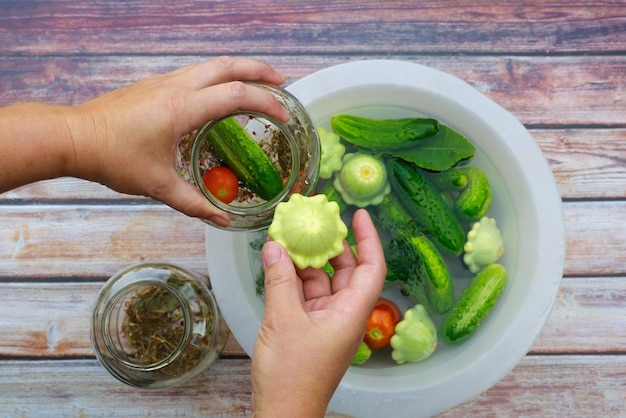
154, 326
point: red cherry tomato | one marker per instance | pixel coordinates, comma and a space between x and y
222, 183
381, 323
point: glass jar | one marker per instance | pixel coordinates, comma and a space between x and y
293, 148
155, 325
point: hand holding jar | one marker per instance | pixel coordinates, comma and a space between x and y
126, 139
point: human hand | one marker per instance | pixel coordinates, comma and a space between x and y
127, 139
313, 325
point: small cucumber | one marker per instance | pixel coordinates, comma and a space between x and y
383, 134
473, 305
424, 203
452, 179
474, 202
414, 255
242, 154
436, 277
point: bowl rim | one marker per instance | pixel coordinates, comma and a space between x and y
351, 397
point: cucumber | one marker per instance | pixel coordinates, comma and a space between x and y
426, 206
475, 200
473, 305
449, 180
245, 157
413, 255
383, 134
433, 269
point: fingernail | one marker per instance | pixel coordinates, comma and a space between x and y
270, 253
221, 220
285, 115
281, 75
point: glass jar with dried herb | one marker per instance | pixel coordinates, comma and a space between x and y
155, 325
269, 160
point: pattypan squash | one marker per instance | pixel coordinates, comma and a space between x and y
415, 337
484, 244
310, 228
332, 153
362, 180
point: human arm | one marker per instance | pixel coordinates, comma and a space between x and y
126, 139
313, 325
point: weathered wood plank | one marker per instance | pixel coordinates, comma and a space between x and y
546, 91
55, 240
52, 320
139, 27
595, 238
68, 388
569, 386
580, 386
586, 163
588, 317
39, 241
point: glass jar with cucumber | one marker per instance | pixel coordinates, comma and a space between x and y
247, 163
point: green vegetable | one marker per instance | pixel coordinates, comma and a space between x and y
383, 134
427, 276
310, 228
438, 283
473, 305
415, 337
243, 155
449, 180
333, 195
474, 202
484, 244
332, 153
439, 152
363, 353
362, 180
424, 203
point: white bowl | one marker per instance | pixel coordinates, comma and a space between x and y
526, 205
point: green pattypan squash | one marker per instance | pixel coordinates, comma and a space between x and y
332, 153
362, 180
310, 228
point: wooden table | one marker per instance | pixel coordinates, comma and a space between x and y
559, 67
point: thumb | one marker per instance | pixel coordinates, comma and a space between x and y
188, 199
283, 287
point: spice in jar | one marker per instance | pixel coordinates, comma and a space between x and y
156, 325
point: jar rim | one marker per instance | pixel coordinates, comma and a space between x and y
175, 352
109, 309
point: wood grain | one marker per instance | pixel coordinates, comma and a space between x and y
36, 240
558, 66
252, 27
586, 164
538, 386
589, 386
539, 91
52, 320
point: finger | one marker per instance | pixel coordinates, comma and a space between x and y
221, 100
224, 69
315, 283
371, 270
186, 198
283, 288
344, 264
